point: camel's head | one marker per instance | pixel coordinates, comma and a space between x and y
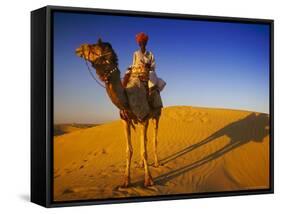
100, 55
83, 51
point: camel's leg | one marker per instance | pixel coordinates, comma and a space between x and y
129, 152
140, 165
147, 177
155, 122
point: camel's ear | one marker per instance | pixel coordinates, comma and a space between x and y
99, 41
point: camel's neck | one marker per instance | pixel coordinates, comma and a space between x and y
116, 91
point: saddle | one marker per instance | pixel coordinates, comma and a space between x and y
141, 98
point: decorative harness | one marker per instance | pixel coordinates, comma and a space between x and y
107, 74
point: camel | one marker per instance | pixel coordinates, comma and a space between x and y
104, 60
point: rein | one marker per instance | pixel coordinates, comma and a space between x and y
92, 75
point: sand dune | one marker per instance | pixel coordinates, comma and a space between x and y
60, 129
201, 149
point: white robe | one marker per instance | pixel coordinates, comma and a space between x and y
139, 59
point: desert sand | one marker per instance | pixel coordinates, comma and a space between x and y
60, 129
200, 149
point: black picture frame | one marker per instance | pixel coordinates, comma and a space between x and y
42, 105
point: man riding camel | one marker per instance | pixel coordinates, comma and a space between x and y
143, 68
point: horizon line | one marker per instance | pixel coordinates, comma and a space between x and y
206, 107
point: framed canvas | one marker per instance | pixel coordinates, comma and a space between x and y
131, 106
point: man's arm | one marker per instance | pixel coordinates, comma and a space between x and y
134, 58
152, 65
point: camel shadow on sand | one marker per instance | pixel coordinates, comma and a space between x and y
239, 134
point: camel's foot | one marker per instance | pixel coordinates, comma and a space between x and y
126, 182
148, 181
156, 164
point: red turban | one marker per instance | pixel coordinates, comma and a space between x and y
141, 37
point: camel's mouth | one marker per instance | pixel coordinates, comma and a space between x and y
79, 52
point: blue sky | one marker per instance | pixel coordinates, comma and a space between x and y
207, 64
